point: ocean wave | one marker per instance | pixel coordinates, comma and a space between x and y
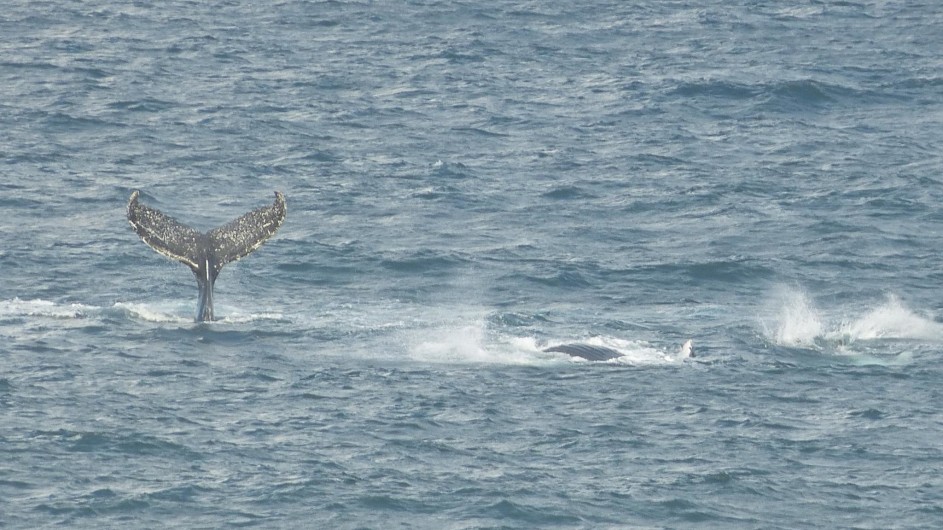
424, 261
776, 95
717, 88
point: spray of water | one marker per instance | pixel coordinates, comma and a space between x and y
794, 321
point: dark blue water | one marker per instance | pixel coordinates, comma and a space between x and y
467, 184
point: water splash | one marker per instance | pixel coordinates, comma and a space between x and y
798, 323
892, 320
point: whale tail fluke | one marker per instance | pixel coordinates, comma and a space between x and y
163, 233
206, 253
239, 237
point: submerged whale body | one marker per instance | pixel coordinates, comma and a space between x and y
603, 353
206, 253
586, 351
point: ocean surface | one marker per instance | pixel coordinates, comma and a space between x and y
469, 183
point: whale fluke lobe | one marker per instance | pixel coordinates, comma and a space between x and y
239, 237
206, 253
163, 233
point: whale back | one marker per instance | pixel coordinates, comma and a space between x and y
586, 351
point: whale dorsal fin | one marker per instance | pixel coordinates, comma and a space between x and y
239, 237
163, 233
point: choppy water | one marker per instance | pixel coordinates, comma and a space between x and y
469, 183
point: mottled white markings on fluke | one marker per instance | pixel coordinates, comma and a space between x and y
206, 253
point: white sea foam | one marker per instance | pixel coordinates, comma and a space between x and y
469, 344
43, 308
154, 312
236, 317
175, 312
